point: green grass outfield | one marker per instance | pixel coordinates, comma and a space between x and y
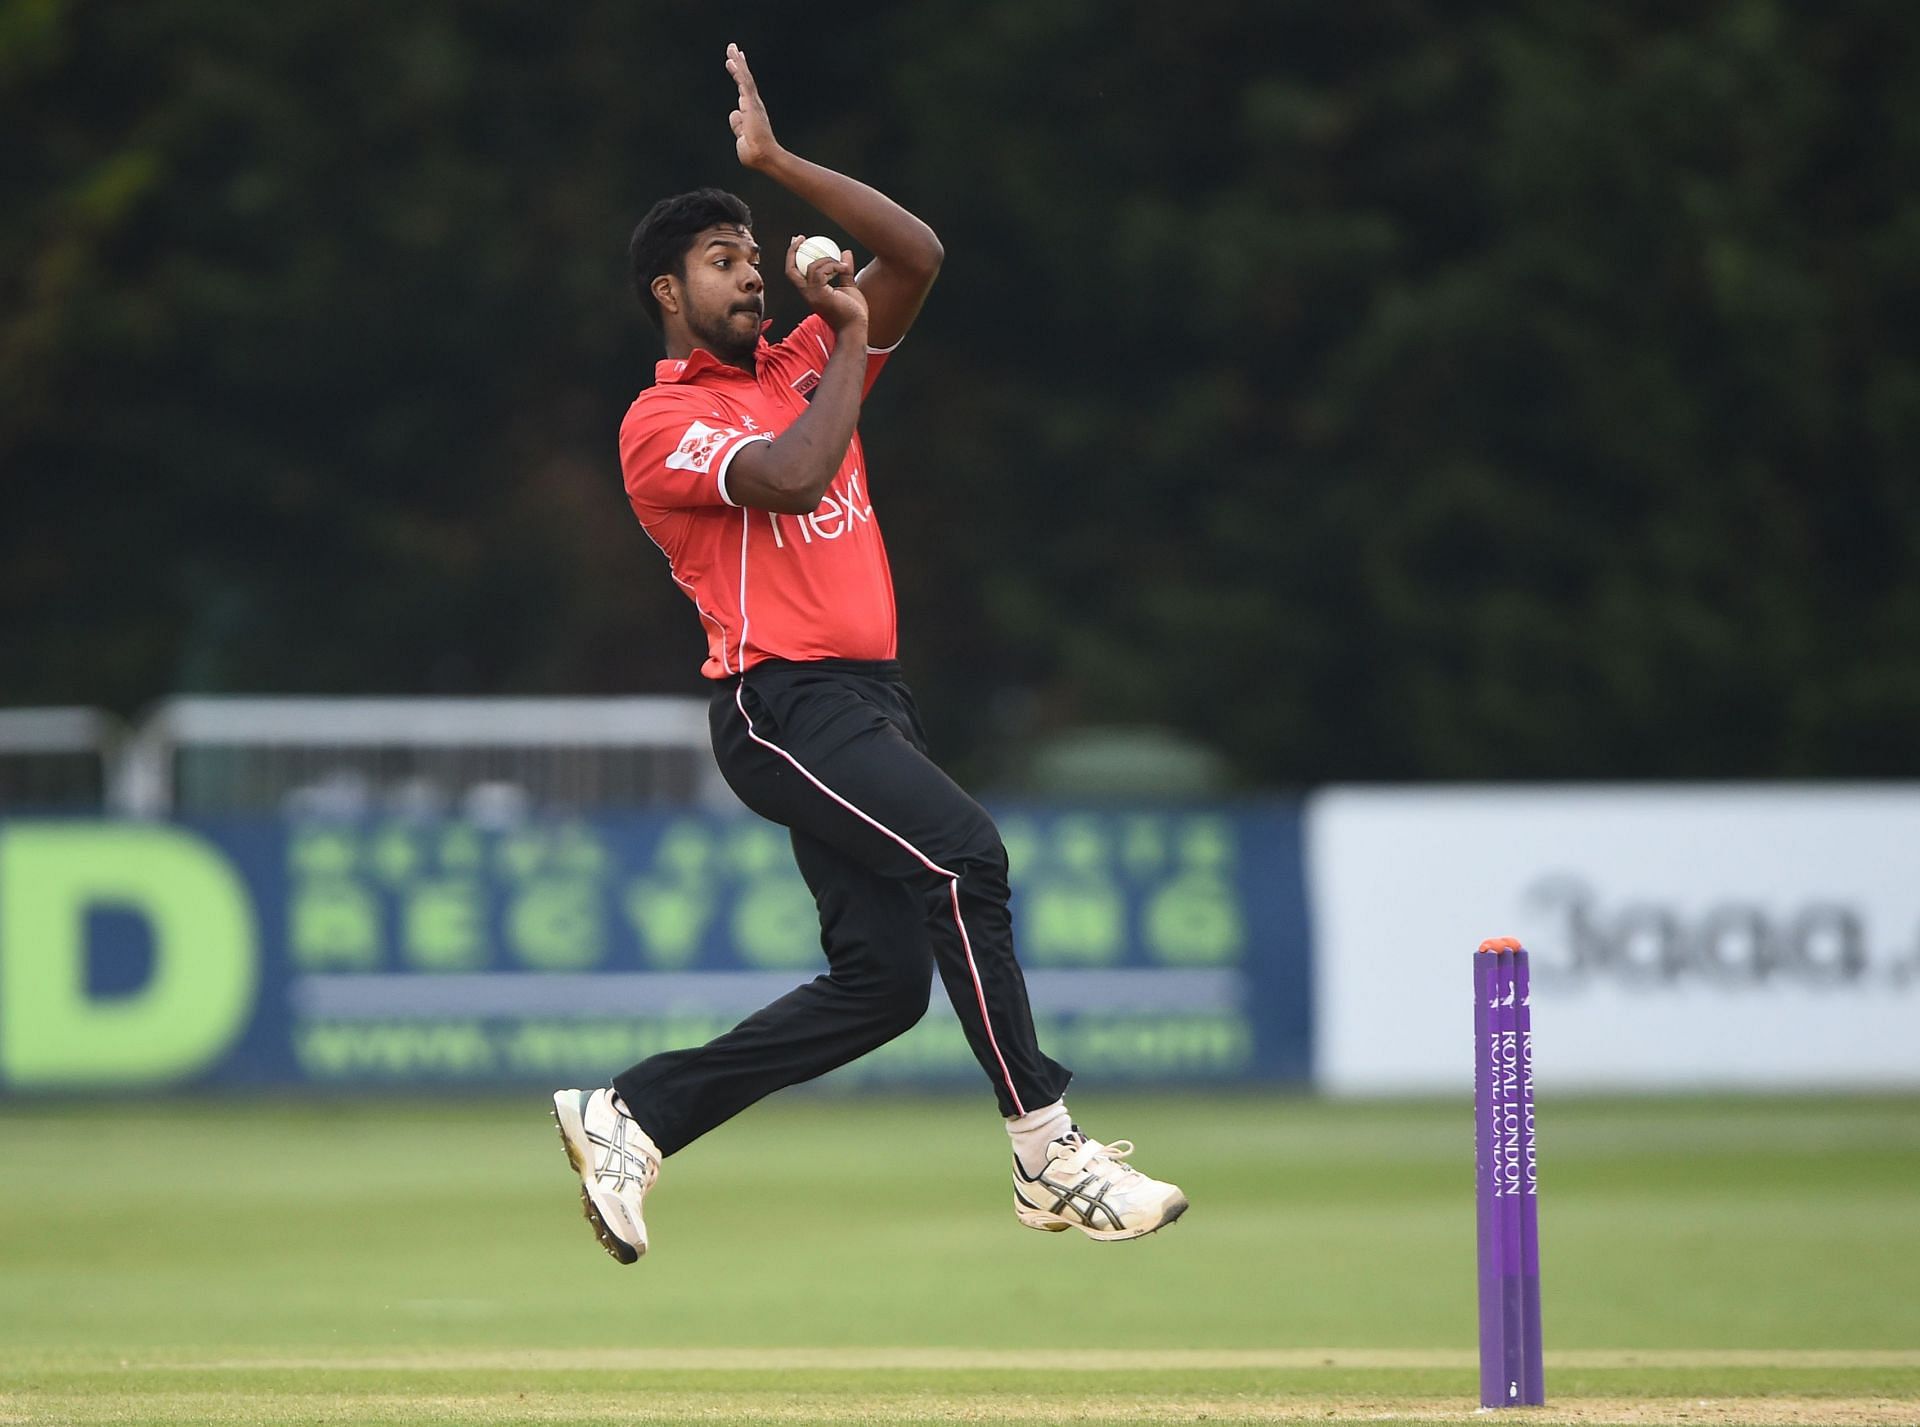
823, 1260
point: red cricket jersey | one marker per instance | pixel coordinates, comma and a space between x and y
767, 586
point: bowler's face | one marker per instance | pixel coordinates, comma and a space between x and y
724, 298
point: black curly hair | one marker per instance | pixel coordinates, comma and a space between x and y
660, 243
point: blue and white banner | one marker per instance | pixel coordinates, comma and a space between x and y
1162, 945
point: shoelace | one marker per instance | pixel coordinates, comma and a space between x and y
1093, 1154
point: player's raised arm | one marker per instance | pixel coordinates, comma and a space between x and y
906, 254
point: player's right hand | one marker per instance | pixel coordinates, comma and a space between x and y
844, 305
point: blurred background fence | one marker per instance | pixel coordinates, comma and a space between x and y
496, 760
57, 759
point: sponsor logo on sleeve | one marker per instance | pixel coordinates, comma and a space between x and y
806, 382
699, 444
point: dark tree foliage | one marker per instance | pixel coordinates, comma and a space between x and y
1401, 390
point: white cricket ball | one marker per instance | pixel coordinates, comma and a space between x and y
811, 251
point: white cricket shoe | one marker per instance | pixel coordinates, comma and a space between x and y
617, 1164
1088, 1186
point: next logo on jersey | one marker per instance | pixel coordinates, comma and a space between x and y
838, 512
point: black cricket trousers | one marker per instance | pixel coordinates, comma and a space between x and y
909, 873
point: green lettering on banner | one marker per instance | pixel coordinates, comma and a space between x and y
775, 923
577, 849
1194, 921
333, 923
443, 926
1130, 1047
549, 1047
1023, 847
686, 849
461, 850
321, 852
1080, 843
668, 919
1143, 845
557, 925
1208, 842
205, 957
394, 1050
754, 849
568, 1047
520, 854
937, 1046
1135, 1046
1064, 923
396, 854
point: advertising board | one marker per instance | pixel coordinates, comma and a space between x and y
1697, 936
1162, 946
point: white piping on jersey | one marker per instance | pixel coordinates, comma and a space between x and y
953, 887
744, 621
727, 460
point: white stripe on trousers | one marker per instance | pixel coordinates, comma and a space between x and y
953, 886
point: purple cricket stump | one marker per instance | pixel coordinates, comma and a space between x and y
1486, 1095
1533, 1383
1509, 1177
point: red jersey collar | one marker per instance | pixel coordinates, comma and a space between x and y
692, 368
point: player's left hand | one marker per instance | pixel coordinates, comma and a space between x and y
752, 131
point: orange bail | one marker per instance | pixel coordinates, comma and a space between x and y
1502, 943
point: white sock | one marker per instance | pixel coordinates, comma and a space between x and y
1034, 1131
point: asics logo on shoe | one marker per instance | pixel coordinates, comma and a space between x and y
620, 1160
1087, 1198
1089, 1206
